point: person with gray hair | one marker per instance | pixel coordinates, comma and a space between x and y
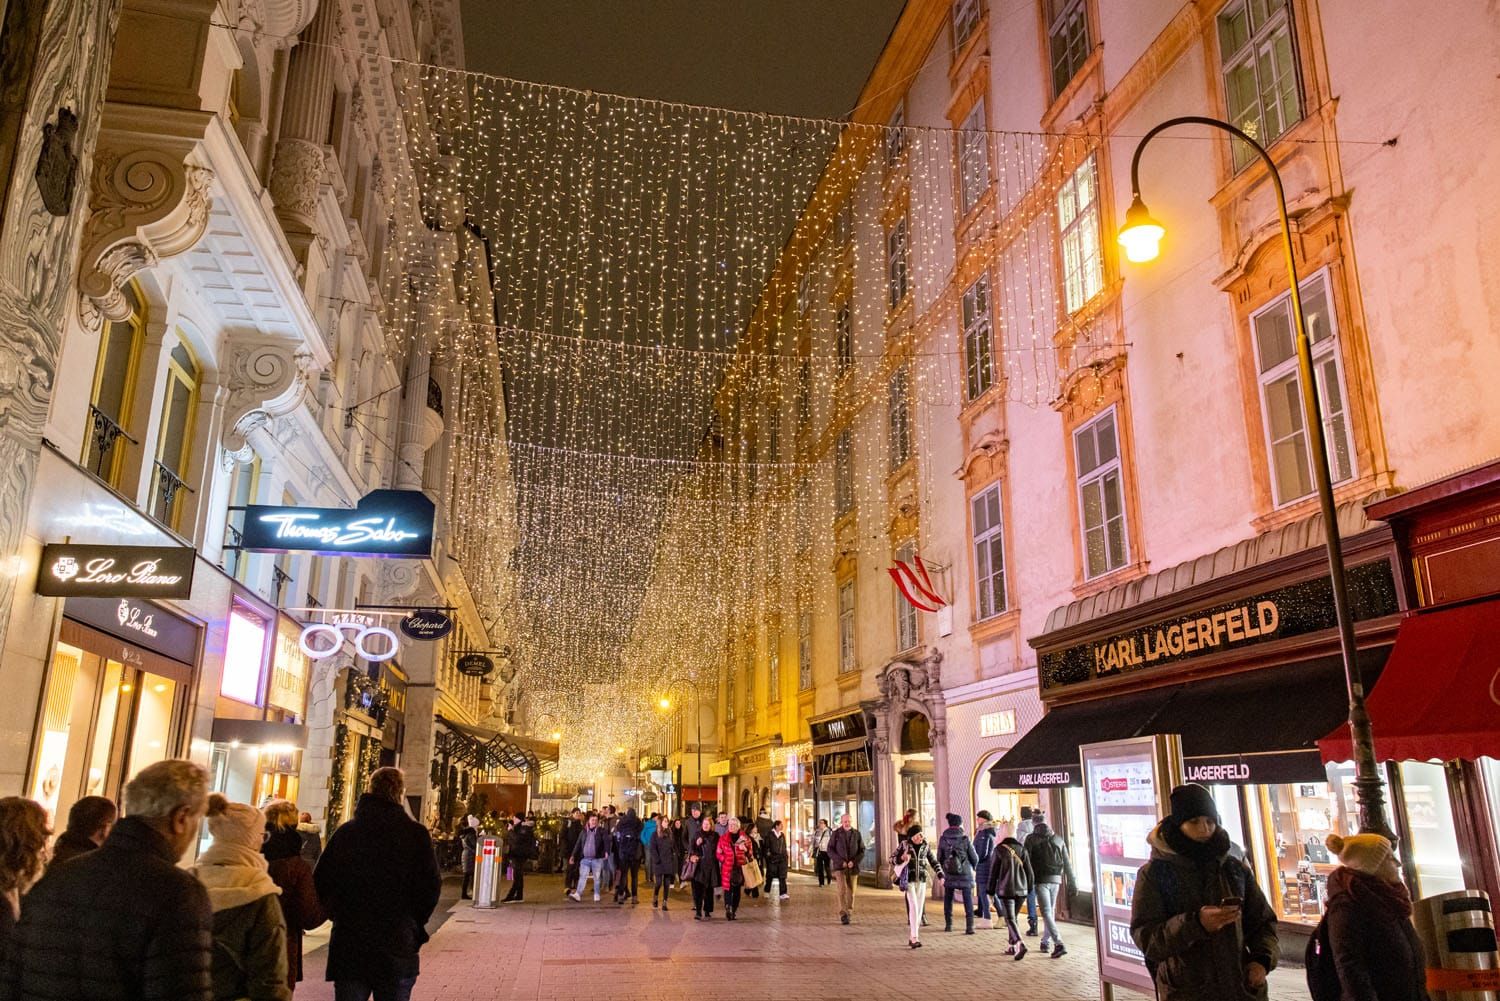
123, 921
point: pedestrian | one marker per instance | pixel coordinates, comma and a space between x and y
312, 838
733, 851
757, 850
1376, 952
1197, 914
89, 822
648, 831
1010, 882
520, 849
912, 864
776, 863
846, 850
627, 852
23, 856
821, 868
468, 844
589, 854
1024, 829
984, 849
300, 907
703, 855
903, 825
691, 825
379, 880
123, 921
956, 861
570, 835
721, 825
663, 859
1050, 868
609, 819
250, 952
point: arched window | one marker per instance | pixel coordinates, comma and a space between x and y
175, 441
114, 384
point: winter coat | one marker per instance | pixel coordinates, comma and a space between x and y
648, 831
312, 843
919, 863
70, 845
626, 847
820, 840
984, 849
1190, 964
570, 834
1375, 948
300, 906
705, 844
379, 880
122, 923
468, 841
1043, 868
690, 830
733, 851
1010, 871
955, 845
776, 855
590, 844
520, 843
250, 951
662, 853
845, 846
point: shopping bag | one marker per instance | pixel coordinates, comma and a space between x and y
688, 868
753, 876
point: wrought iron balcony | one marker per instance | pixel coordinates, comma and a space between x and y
103, 434
168, 486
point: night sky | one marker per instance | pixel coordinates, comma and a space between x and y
793, 57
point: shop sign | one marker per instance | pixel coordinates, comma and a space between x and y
753, 759
244, 656
373, 642
139, 622
288, 689
383, 523
997, 724
719, 769
116, 571
427, 624
839, 728
1295, 610
474, 665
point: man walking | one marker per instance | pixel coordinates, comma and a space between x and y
1049, 867
956, 861
123, 921
1024, 830
379, 881
846, 849
588, 855
570, 835
777, 860
821, 867
984, 849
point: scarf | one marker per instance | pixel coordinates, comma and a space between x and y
1364, 888
1202, 852
283, 842
233, 875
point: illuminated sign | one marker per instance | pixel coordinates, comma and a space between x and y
997, 724
383, 523
373, 642
474, 665
288, 689
427, 624
244, 655
116, 571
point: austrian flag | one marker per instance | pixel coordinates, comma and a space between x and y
916, 585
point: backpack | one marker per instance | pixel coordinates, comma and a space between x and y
1322, 975
955, 861
1052, 855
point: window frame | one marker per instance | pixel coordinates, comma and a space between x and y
1060, 14
1259, 39
1098, 474
966, 14
898, 416
804, 650
897, 264
982, 542
1078, 227
894, 140
907, 624
843, 473
176, 378
844, 335
730, 693
978, 327
773, 665
848, 652
136, 324
973, 144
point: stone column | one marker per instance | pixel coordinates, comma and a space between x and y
941, 780
297, 169
411, 454
885, 795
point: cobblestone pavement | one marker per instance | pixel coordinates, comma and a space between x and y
552, 949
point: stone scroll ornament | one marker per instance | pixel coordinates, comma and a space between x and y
916, 584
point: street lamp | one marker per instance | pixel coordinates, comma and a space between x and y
666, 705
1141, 239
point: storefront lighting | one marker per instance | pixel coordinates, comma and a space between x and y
556, 735
126, 687
159, 688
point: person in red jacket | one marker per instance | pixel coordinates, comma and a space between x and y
300, 905
733, 850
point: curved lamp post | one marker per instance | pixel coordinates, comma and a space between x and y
1140, 237
666, 706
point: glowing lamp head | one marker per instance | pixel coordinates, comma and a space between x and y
1141, 235
665, 703
556, 735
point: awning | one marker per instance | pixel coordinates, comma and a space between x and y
1047, 754
1439, 697
482, 748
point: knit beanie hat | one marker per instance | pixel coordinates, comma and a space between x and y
953, 819
237, 824
1193, 800
913, 830
985, 815
1363, 852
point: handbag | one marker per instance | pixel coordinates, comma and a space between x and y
1316, 852
688, 868
753, 875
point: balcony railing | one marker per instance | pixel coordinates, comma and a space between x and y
166, 490
99, 452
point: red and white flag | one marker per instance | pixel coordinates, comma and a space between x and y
916, 585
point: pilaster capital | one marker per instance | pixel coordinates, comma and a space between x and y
264, 379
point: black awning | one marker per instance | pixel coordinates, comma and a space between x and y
1047, 754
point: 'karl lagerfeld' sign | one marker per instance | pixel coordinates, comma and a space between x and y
384, 523
69, 571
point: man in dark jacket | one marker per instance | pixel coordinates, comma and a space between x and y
663, 860
1050, 866
123, 923
626, 852
520, 848
846, 850
89, 823
956, 861
312, 838
776, 859
1010, 884
570, 833
1205, 927
378, 879
984, 848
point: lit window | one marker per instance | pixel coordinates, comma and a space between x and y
114, 381
897, 263
973, 158
847, 660
906, 613
965, 20
804, 651
729, 696
804, 291
1260, 72
900, 418
1078, 226
845, 337
175, 437
1281, 391
989, 552
1068, 40
895, 137
750, 680
1101, 495
773, 665
978, 346
843, 473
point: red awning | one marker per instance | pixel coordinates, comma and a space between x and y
1439, 696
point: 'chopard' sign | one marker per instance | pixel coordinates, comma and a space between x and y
69, 571
384, 523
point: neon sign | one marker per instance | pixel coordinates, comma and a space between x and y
375, 643
116, 571
384, 523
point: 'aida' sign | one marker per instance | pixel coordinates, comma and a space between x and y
384, 523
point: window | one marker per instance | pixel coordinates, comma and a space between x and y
804, 651
749, 680
773, 665
895, 137
1281, 391
1068, 40
965, 20
114, 381
843, 473
973, 158
989, 552
845, 337
1101, 497
804, 292
1260, 72
843, 227
773, 433
900, 418
804, 393
896, 263
242, 489
906, 613
978, 364
729, 696
1078, 226
174, 443
847, 661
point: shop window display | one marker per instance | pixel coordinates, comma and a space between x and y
1077, 835
1429, 821
1299, 817
854, 795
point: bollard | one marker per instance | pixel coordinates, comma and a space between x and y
486, 872
1458, 937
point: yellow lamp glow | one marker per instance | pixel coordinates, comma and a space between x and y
1141, 235
619, 750
665, 703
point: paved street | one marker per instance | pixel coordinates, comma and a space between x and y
551, 948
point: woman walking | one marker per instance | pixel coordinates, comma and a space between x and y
913, 863
23, 853
821, 867
300, 906
733, 850
703, 853
1375, 948
661, 858
250, 951
1010, 884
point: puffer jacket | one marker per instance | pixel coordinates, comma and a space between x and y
300, 905
626, 847
733, 851
1375, 948
1010, 871
919, 863
122, 923
662, 853
250, 956
984, 850
1190, 964
955, 845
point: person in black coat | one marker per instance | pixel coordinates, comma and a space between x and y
570, 833
703, 853
626, 851
520, 848
664, 861
468, 844
776, 859
378, 879
1010, 883
1375, 948
123, 922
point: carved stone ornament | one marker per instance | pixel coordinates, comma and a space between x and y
265, 379
912, 681
147, 205
57, 166
295, 178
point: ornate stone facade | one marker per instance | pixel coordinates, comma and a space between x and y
910, 684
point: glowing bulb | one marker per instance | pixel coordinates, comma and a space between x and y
127, 687
158, 688
556, 735
1141, 235
665, 703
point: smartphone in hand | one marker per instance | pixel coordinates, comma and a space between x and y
1232, 902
